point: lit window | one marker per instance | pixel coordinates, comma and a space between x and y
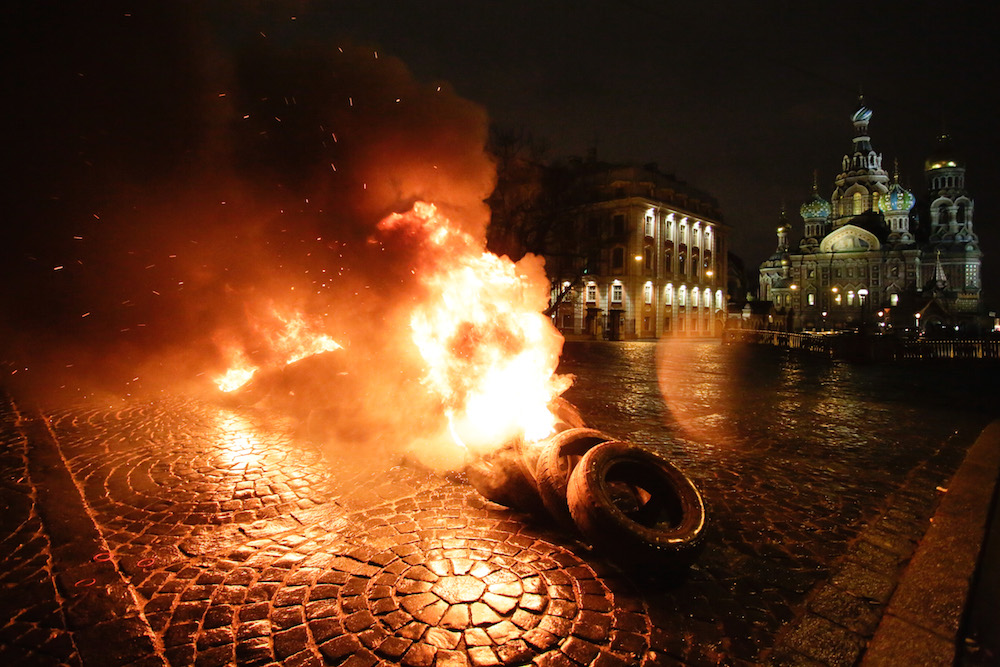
682, 296
859, 205
669, 298
649, 225
837, 299
850, 298
591, 293
616, 293
718, 299
811, 299
694, 298
708, 297
647, 293
893, 299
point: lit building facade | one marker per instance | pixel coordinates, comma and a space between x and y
645, 257
865, 260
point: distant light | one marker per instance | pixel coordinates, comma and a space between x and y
638, 258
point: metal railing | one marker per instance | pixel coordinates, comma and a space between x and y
859, 346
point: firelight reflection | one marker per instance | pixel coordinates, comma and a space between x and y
239, 443
706, 401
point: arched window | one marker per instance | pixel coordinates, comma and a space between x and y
943, 217
668, 298
859, 204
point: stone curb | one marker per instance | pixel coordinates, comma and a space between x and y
99, 606
924, 615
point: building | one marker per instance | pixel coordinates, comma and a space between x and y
641, 255
872, 257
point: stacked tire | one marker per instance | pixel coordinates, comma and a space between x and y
630, 503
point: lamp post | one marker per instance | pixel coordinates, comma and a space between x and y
863, 298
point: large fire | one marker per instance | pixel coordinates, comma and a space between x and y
488, 354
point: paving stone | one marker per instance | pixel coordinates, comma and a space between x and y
307, 559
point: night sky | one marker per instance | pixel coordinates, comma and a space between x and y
744, 100
127, 122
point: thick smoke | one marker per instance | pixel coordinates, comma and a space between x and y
201, 189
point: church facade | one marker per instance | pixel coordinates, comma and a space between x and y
873, 256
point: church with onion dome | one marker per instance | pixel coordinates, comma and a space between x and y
872, 256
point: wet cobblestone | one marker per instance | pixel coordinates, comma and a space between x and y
241, 542
34, 629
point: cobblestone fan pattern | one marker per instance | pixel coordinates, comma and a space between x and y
439, 579
242, 543
32, 627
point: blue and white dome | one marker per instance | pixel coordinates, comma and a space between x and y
897, 200
816, 207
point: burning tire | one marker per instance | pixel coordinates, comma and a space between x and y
636, 507
556, 462
566, 414
503, 477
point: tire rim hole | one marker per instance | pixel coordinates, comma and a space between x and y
648, 500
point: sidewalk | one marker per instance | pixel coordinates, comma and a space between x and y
182, 533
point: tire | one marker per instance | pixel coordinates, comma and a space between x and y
637, 507
502, 477
567, 416
556, 462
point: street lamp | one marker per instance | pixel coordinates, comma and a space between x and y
863, 298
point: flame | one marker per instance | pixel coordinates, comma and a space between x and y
490, 353
288, 338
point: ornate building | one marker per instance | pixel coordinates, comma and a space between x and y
871, 257
645, 257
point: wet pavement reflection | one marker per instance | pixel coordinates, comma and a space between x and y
219, 535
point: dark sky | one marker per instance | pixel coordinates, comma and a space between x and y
116, 105
744, 100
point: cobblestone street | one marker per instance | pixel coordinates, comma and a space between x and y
180, 532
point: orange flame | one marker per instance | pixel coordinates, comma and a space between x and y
289, 338
490, 353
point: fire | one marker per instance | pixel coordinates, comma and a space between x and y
288, 338
483, 351
490, 353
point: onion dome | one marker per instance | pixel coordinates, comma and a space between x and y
815, 207
862, 115
943, 155
897, 200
